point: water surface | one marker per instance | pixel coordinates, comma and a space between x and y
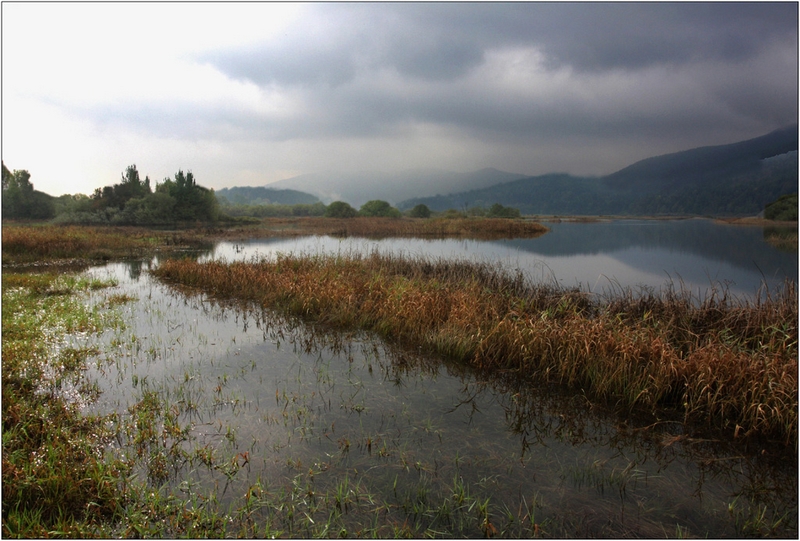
698, 254
311, 407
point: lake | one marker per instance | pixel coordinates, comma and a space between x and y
699, 253
394, 437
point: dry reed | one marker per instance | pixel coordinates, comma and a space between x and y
470, 228
28, 243
719, 361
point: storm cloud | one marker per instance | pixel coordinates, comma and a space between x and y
585, 88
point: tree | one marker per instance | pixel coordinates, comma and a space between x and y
20, 200
130, 187
340, 209
192, 201
420, 211
499, 211
376, 207
785, 208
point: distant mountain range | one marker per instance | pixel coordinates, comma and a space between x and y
264, 195
735, 179
740, 178
358, 188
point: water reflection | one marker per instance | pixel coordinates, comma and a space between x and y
304, 402
700, 254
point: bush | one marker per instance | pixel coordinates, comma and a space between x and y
452, 214
420, 211
378, 208
499, 211
785, 208
340, 209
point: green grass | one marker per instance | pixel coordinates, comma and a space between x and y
56, 481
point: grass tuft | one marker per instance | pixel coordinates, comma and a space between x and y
720, 361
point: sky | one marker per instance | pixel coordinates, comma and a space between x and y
244, 94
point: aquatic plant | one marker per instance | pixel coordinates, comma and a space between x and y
726, 363
26, 243
56, 481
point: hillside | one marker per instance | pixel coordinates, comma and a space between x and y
711, 164
360, 187
736, 179
248, 195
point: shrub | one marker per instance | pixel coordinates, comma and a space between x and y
378, 208
420, 211
785, 208
499, 211
340, 209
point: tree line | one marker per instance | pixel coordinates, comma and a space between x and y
135, 201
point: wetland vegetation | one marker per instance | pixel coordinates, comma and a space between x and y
716, 360
381, 396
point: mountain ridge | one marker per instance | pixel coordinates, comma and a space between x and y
360, 187
734, 179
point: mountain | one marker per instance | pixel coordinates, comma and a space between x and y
704, 164
358, 188
262, 195
736, 179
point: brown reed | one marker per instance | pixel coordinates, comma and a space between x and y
376, 227
28, 243
720, 361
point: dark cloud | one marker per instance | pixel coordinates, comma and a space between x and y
672, 72
446, 40
599, 36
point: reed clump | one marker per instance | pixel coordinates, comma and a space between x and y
718, 360
28, 243
371, 227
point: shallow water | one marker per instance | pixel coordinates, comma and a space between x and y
699, 254
305, 405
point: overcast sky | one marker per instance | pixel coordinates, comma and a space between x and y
251, 93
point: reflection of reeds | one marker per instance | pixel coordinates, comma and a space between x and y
783, 238
719, 360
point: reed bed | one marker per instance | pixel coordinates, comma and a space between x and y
471, 228
719, 361
25, 243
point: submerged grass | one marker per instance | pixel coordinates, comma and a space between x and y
140, 472
718, 361
56, 481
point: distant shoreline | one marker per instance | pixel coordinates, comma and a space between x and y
726, 220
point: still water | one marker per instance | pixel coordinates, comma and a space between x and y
308, 407
700, 254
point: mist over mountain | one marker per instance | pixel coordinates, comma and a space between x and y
265, 195
735, 179
360, 187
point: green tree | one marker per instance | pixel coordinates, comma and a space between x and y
192, 201
20, 200
376, 207
340, 209
116, 196
499, 211
420, 211
785, 208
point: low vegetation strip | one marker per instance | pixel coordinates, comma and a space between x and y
719, 361
56, 481
460, 227
27, 243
